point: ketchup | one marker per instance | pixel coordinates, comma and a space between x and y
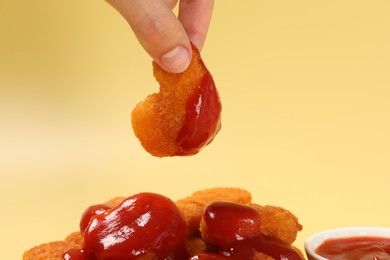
360, 247
150, 226
143, 226
229, 222
203, 117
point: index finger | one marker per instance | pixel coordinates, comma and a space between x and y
157, 29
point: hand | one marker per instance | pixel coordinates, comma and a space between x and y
163, 35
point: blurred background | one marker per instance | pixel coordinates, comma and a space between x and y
306, 113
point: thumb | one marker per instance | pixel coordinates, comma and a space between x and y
159, 32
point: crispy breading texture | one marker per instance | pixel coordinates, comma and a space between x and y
275, 221
48, 251
76, 238
236, 195
114, 202
158, 119
192, 211
192, 207
279, 222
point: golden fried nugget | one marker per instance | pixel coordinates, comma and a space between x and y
48, 251
76, 238
280, 223
256, 206
204, 232
114, 202
192, 207
236, 195
274, 221
164, 122
192, 211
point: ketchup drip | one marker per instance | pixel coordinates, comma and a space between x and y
202, 119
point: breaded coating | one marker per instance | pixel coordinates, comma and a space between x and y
280, 223
76, 238
256, 206
158, 119
48, 251
236, 195
274, 221
192, 207
112, 203
192, 211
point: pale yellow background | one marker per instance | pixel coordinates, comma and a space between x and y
306, 113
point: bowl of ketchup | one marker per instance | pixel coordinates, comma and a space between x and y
349, 243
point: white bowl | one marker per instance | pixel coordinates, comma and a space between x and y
314, 241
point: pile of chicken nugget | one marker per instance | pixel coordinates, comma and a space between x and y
275, 221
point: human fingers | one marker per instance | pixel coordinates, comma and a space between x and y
158, 30
195, 16
170, 3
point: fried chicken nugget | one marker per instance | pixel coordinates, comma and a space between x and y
193, 206
76, 238
48, 251
55, 250
184, 116
192, 211
275, 221
114, 202
236, 195
279, 222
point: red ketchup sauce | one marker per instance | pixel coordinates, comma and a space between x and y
144, 226
150, 226
203, 117
234, 229
229, 222
359, 247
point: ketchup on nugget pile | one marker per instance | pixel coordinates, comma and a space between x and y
149, 226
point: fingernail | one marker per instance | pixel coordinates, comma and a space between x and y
176, 60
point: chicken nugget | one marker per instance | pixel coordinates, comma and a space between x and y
192, 211
76, 238
192, 207
280, 223
274, 221
114, 202
184, 116
48, 251
236, 195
